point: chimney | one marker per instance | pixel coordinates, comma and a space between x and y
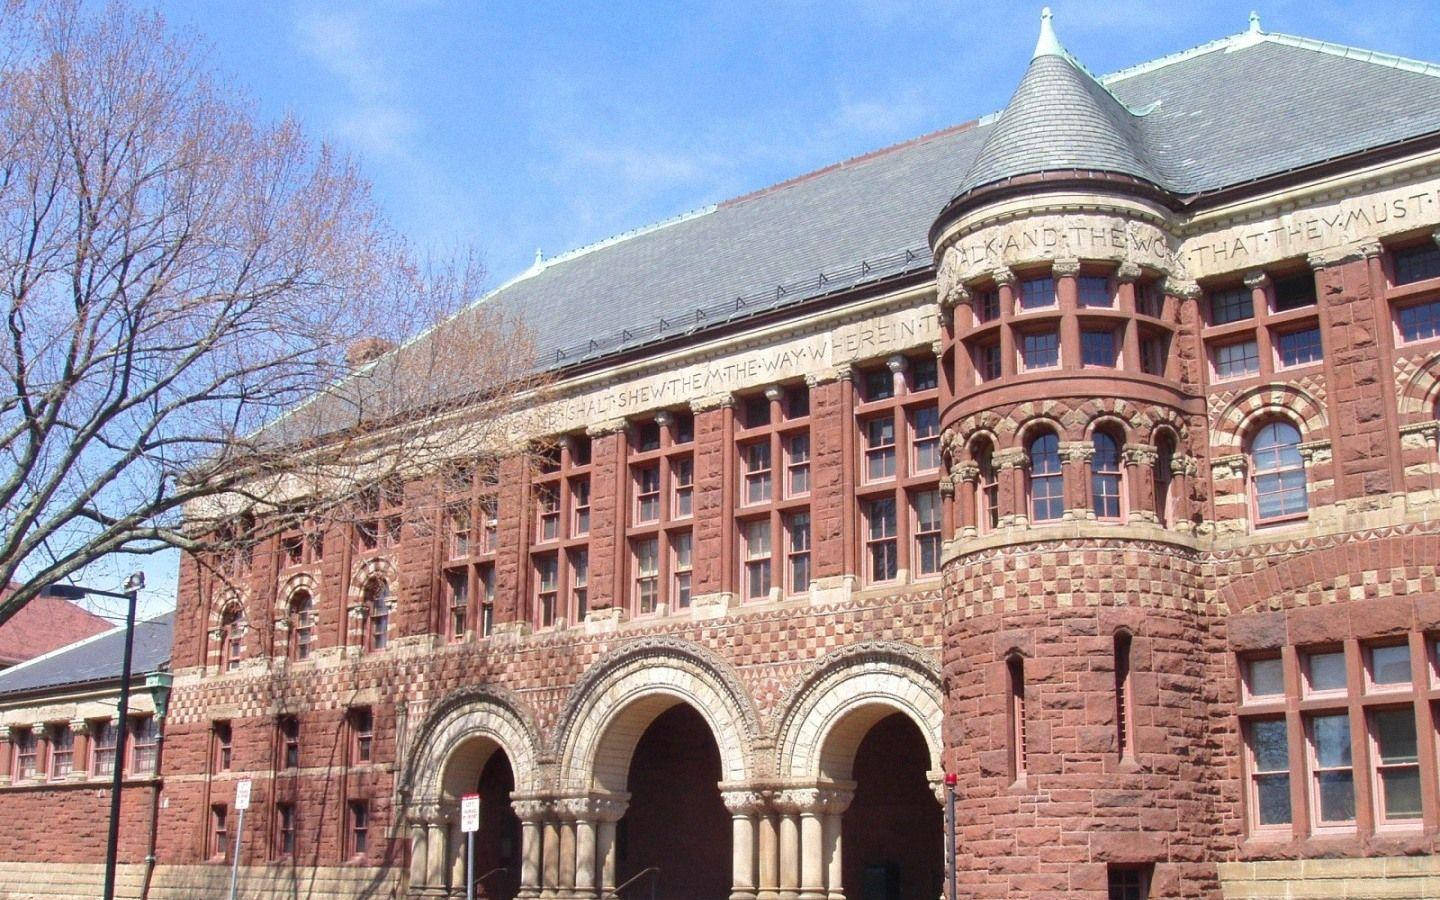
364, 351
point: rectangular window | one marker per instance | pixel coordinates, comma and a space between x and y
682, 569
1396, 758
927, 532
1268, 751
880, 448
292, 548
580, 507
62, 751
797, 402
27, 750
756, 458
756, 411
1039, 350
1332, 772
647, 574
362, 731
1094, 290
1154, 350
881, 539
224, 750
1037, 293
284, 829
987, 362
359, 826
457, 585
647, 437
1098, 347
580, 583
219, 836
1231, 306
1416, 263
458, 518
289, 743
682, 480
1015, 709
797, 553
489, 524
1294, 292
547, 587
797, 465
1149, 301
879, 384
1387, 667
1419, 322
1237, 359
102, 748
925, 439
756, 536
1325, 672
1264, 677
647, 494
547, 505
683, 428
987, 305
924, 374
1127, 882
1296, 348
142, 745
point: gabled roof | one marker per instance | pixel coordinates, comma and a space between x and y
93, 661
44, 624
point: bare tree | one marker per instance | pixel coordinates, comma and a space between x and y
206, 316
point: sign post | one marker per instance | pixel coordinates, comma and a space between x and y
242, 803
950, 874
469, 824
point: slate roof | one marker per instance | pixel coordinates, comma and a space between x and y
1214, 116
44, 624
94, 660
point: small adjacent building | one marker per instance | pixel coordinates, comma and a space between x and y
44, 624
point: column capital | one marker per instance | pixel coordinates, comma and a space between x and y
897, 363
1183, 288
955, 295
1140, 454
1003, 275
774, 392
1066, 267
1127, 272
966, 471
530, 809
664, 418
607, 427
797, 800
743, 802
1012, 458
835, 801
714, 401
608, 808
79, 726
1076, 451
1257, 278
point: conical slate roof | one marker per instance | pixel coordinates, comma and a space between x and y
1060, 118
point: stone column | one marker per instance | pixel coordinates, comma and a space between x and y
965, 477
1010, 466
80, 750
788, 808
550, 857
835, 804
1065, 272
1075, 457
1125, 277
435, 846
568, 812
1005, 287
6, 751
457, 855
812, 845
742, 806
1139, 460
585, 844
768, 857
417, 852
608, 811
530, 813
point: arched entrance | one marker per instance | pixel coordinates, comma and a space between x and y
676, 821
893, 832
481, 766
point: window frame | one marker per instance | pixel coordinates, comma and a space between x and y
477, 495
673, 457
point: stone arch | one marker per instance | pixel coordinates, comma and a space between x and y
1126, 428
977, 435
847, 693
1083, 418
610, 708
1420, 393
368, 570
228, 601
1027, 428
1266, 401
301, 581
461, 733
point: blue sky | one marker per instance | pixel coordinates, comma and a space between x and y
510, 126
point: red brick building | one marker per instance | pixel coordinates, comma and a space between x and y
44, 624
1088, 451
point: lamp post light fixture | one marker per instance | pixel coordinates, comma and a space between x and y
131, 594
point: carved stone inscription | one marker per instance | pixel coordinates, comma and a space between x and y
1080, 236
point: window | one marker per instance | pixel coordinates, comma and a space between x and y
458, 517
879, 384
1387, 667
362, 735
292, 549
682, 475
797, 553
1047, 487
1098, 347
1395, 758
489, 524
143, 743
1419, 322
377, 614
1094, 290
881, 541
359, 826
1105, 476
1231, 306
1267, 750
797, 401
987, 305
1154, 351
1296, 348
1416, 263
924, 374
1333, 776
547, 587
1039, 350
1294, 292
756, 411
925, 438
486, 576
1149, 301
756, 459
289, 742
302, 624
579, 584
1279, 472
987, 362
1124, 712
987, 487
682, 568
926, 554
647, 574
1037, 293
27, 751
647, 494
756, 539
880, 448
232, 638
580, 507
380, 516
1236, 360
219, 837
1264, 677
224, 749
1325, 672
1126, 882
1015, 678
797, 465
457, 585
102, 748
284, 829
62, 751
547, 510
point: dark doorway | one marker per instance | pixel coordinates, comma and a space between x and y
497, 845
892, 833
676, 820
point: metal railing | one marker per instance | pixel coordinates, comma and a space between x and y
496, 871
654, 882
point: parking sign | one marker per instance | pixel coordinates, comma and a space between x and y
242, 794
470, 813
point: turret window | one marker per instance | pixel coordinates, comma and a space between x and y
1037, 293
1417, 263
1296, 348
1231, 306
1040, 350
1047, 500
1278, 482
1106, 476
1099, 347
1094, 291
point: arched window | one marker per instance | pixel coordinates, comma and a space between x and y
1164, 477
1047, 488
232, 638
302, 624
377, 614
987, 488
1278, 479
1105, 476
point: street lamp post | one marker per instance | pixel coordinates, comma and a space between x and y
133, 584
